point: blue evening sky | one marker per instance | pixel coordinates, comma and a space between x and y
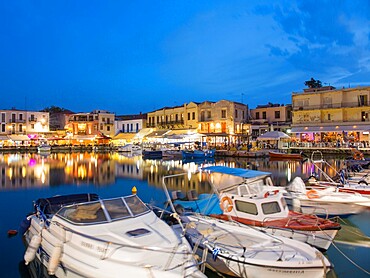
137, 56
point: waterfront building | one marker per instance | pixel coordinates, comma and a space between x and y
173, 125
270, 117
96, 127
328, 115
18, 127
127, 127
223, 122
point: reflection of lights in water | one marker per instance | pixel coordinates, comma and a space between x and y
24, 172
43, 177
151, 169
32, 162
10, 173
138, 165
81, 171
289, 173
189, 175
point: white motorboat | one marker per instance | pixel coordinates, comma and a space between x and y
353, 179
129, 148
238, 250
325, 201
44, 148
84, 236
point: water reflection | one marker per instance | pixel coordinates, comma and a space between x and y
33, 170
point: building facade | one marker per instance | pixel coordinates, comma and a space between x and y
88, 126
130, 123
23, 122
270, 117
328, 114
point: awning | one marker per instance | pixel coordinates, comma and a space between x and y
4, 138
124, 136
143, 132
19, 137
83, 137
157, 133
182, 131
336, 128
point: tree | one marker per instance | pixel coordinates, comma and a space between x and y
53, 109
313, 83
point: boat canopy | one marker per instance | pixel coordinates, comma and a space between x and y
243, 173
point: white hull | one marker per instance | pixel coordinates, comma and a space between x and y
246, 252
109, 249
319, 239
330, 208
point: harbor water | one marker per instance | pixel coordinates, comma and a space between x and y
27, 177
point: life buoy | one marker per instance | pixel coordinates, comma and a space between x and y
226, 204
358, 156
268, 193
312, 194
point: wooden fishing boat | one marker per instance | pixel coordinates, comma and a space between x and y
280, 155
262, 207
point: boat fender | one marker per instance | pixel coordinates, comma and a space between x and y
363, 182
54, 259
226, 204
312, 194
268, 193
32, 248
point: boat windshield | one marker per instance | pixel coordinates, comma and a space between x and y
104, 210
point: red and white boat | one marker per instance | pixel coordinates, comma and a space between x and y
254, 202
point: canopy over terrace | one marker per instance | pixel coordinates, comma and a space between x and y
273, 135
123, 138
330, 133
331, 128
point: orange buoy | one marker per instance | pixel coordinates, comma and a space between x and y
226, 204
12, 233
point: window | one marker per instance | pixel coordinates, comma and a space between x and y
271, 207
3, 117
209, 114
20, 117
193, 118
362, 100
202, 116
257, 115
132, 127
3, 128
101, 126
20, 128
223, 114
188, 116
329, 117
246, 207
108, 128
277, 114
264, 115
123, 127
364, 116
33, 126
236, 114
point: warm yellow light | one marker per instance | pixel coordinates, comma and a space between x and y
218, 125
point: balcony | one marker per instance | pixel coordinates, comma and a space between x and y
16, 121
331, 106
32, 119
